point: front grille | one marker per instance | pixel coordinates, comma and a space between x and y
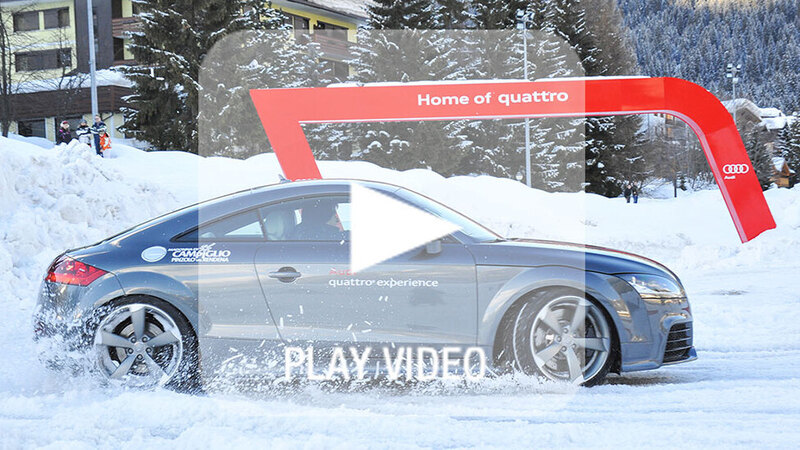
679, 342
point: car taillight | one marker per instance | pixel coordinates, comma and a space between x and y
66, 270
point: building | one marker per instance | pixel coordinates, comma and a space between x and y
337, 19
49, 43
784, 175
50, 47
771, 121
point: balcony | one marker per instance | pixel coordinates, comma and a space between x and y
333, 43
122, 26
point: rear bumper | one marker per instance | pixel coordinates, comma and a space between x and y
65, 315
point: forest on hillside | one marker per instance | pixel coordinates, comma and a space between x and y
696, 39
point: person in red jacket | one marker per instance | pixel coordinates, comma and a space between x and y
105, 143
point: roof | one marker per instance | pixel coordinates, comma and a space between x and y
352, 8
771, 118
105, 77
779, 162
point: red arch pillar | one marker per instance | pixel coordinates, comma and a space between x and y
282, 111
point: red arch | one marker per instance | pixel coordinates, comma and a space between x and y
282, 111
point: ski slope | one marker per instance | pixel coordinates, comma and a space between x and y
741, 392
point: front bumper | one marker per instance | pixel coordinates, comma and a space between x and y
679, 347
670, 339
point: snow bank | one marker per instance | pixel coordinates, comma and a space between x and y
53, 199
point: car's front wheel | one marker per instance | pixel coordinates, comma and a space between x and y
140, 342
563, 336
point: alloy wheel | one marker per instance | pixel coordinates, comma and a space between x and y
569, 340
138, 345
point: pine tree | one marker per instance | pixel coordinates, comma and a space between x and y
497, 14
452, 14
790, 148
760, 156
175, 36
696, 39
398, 48
403, 56
399, 14
601, 41
265, 56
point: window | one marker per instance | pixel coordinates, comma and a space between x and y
74, 122
119, 49
465, 224
334, 31
33, 127
337, 69
245, 226
308, 219
43, 59
64, 57
116, 9
26, 21
56, 18
299, 24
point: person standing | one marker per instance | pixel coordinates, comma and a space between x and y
635, 193
98, 129
84, 133
627, 191
63, 135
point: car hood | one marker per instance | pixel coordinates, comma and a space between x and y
535, 253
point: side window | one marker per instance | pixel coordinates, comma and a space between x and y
323, 218
245, 227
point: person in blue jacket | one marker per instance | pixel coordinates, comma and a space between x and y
98, 129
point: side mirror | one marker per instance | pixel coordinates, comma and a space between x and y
434, 247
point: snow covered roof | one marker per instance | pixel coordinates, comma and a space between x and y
773, 118
739, 104
105, 77
778, 162
354, 8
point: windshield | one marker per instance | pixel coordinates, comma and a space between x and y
467, 226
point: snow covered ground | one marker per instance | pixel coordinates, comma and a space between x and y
742, 391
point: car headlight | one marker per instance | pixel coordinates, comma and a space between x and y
653, 286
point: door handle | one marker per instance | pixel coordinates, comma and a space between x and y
285, 274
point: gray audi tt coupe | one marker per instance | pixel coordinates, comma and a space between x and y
268, 268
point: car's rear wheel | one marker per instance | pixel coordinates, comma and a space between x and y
144, 343
563, 336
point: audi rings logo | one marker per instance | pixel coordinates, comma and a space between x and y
735, 169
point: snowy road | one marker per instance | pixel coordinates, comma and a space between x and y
742, 391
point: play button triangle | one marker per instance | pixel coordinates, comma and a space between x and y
382, 227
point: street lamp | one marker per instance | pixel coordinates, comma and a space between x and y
92, 61
732, 73
524, 19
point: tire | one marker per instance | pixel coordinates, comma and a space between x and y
546, 337
143, 342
